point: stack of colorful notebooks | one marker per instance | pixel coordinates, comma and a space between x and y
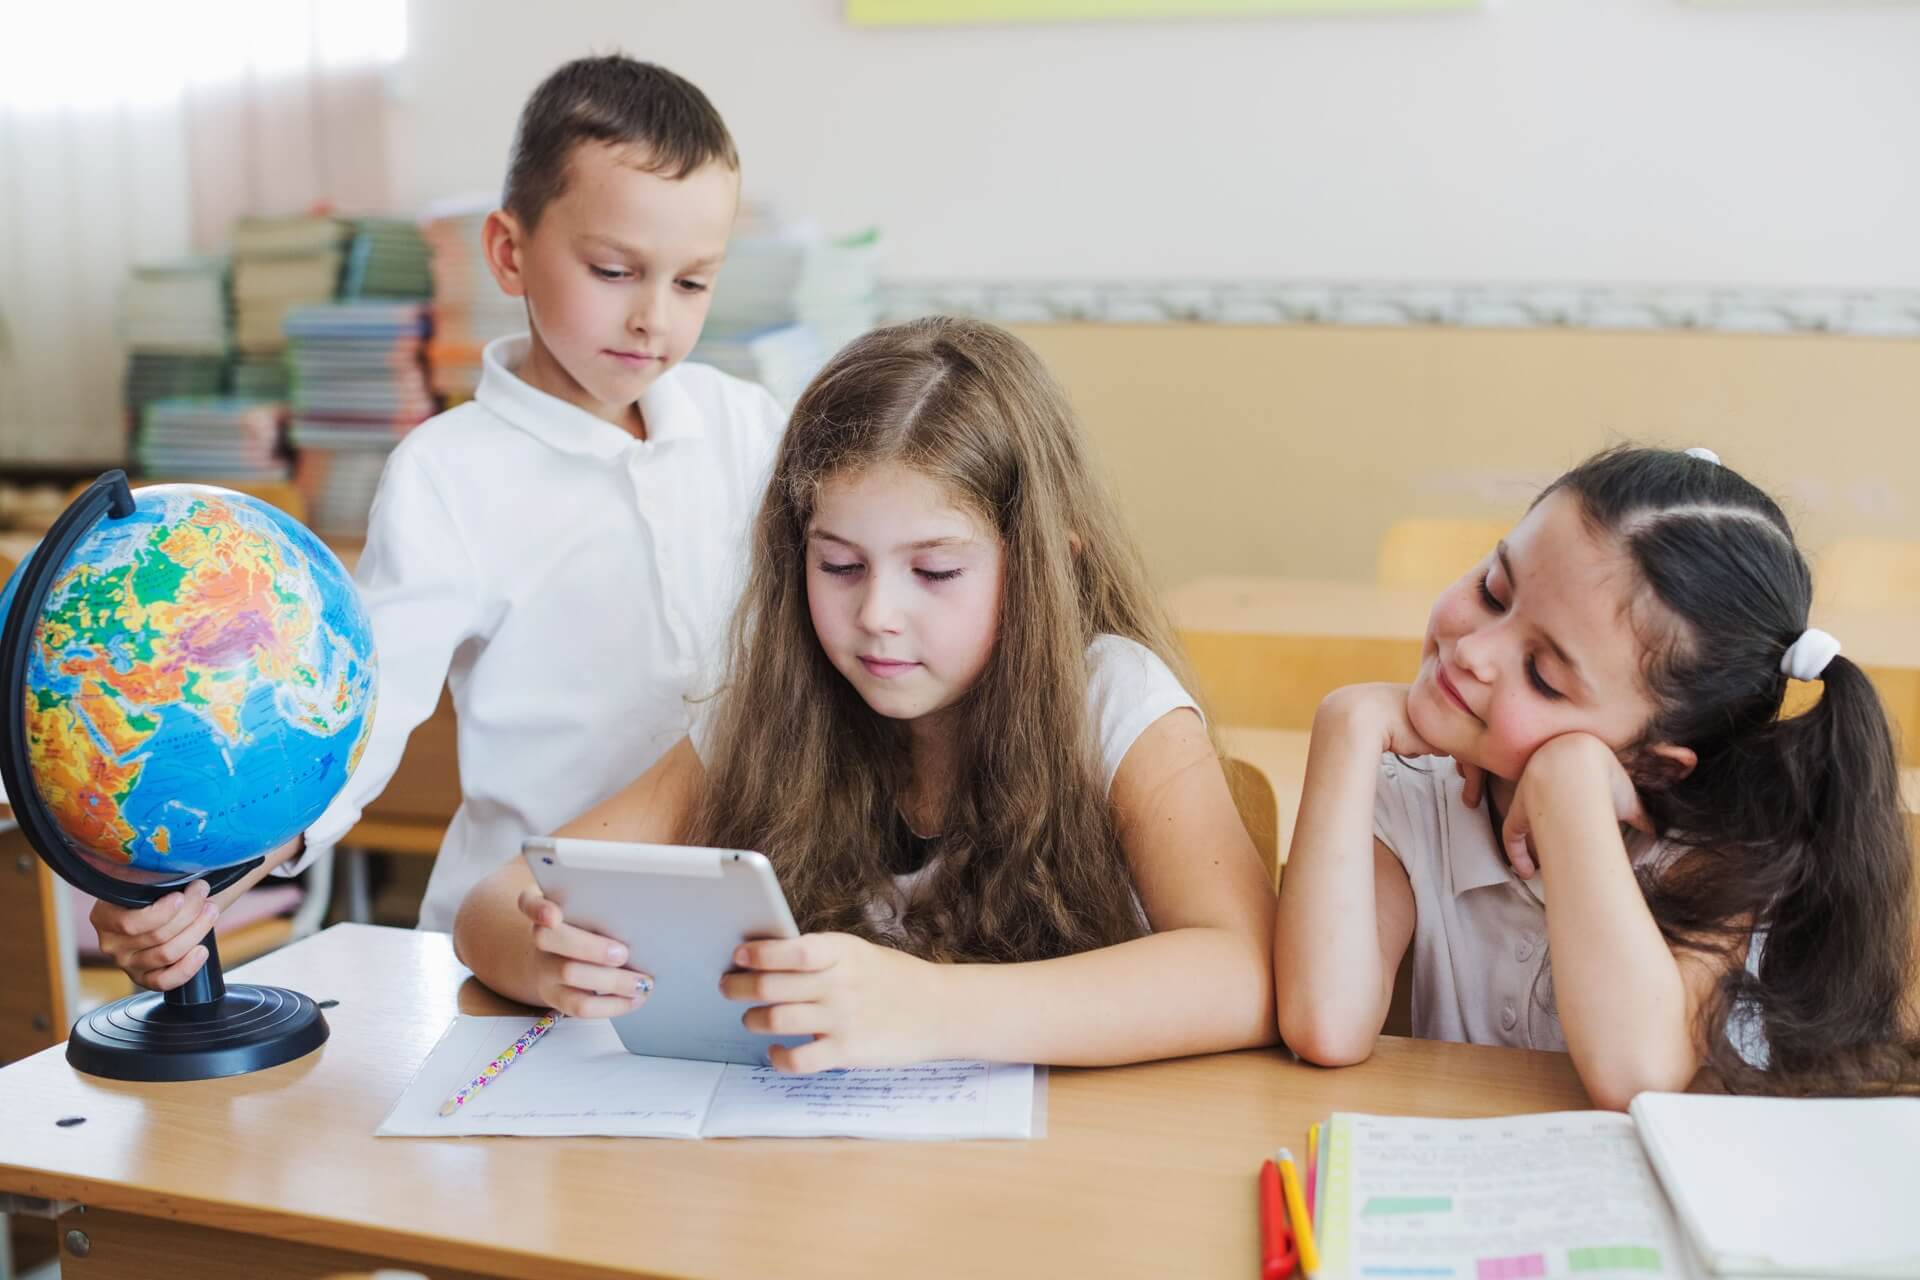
211, 438
358, 387
469, 310
386, 258
173, 318
279, 264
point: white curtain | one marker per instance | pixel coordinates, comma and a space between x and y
132, 132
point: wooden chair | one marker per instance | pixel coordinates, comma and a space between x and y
37, 984
1430, 554
1868, 573
409, 817
1265, 770
36, 953
275, 493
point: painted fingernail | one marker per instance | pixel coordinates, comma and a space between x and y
644, 986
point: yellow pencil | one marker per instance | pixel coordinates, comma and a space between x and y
1297, 1210
1313, 1167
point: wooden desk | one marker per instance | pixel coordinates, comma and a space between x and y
1147, 1170
1267, 650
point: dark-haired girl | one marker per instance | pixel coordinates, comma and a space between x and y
1632, 854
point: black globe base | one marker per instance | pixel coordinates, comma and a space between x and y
143, 1037
200, 1030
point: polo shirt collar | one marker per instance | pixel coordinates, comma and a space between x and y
667, 407
1474, 857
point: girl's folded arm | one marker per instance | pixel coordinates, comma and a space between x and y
1629, 1003
1346, 909
1200, 983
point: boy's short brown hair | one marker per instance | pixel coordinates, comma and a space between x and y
618, 100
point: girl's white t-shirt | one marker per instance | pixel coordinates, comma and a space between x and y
1128, 688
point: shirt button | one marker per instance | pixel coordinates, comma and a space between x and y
1508, 1017
1523, 950
1390, 771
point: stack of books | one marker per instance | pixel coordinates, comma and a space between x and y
173, 319
211, 438
358, 387
787, 299
469, 310
386, 258
279, 264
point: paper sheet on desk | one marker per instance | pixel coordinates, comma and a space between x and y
579, 1080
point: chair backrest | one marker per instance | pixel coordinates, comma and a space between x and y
35, 959
426, 785
1259, 810
275, 493
1868, 572
1255, 796
1429, 554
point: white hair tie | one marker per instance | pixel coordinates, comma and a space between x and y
1807, 657
1705, 455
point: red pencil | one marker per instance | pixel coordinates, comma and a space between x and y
1277, 1252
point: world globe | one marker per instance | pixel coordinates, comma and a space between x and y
200, 684
187, 680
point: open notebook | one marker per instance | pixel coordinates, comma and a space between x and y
579, 1080
1687, 1186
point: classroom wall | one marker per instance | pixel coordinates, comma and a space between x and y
1606, 141
1247, 450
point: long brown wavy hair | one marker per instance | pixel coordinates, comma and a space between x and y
1029, 863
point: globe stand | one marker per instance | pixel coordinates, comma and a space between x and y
203, 1028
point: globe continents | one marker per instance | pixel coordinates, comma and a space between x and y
200, 684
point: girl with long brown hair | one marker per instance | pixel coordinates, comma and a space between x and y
1670, 868
955, 718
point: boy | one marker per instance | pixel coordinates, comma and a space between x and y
564, 550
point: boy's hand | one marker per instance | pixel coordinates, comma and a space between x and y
865, 1005
580, 973
1570, 760
158, 945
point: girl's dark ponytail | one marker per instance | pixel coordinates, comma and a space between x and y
1832, 991
1790, 827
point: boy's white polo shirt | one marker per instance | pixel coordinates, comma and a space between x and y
569, 582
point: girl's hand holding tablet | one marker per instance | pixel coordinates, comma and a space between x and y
579, 973
865, 1005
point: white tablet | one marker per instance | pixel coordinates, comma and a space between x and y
680, 911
